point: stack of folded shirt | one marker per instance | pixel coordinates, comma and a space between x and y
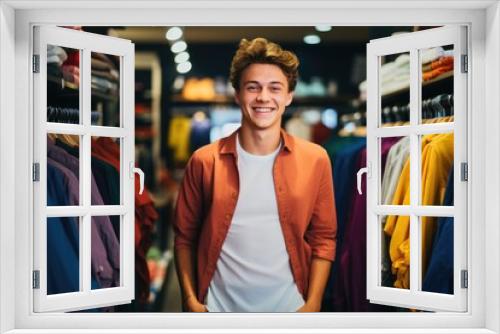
105, 76
71, 67
56, 54
55, 58
438, 66
316, 87
395, 75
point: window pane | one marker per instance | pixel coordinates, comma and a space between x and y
105, 83
105, 251
437, 84
395, 251
437, 254
63, 85
395, 170
63, 260
394, 89
63, 170
437, 162
106, 164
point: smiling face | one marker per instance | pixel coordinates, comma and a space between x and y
263, 95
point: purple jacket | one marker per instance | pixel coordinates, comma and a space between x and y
105, 248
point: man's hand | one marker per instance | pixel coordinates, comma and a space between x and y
193, 305
310, 306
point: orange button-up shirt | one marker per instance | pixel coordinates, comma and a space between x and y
304, 193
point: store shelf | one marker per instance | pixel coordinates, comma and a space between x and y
427, 84
441, 83
72, 90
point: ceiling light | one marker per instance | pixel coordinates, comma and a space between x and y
178, 46
181, 57
173, 33
312, 39
323, 28
184, 67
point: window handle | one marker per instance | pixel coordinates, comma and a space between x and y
133, 171
360, 173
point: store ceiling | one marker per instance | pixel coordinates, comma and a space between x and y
234, 34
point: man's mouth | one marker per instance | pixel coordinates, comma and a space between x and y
263, 110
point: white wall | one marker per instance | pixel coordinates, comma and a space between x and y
493, 165
7, 179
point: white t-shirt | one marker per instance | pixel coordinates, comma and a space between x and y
253, 272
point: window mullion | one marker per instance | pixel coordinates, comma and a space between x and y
86, 240
414, 266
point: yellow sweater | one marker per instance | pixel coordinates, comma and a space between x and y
178, 137
437, 159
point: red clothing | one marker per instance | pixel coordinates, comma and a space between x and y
145, 215
304, 193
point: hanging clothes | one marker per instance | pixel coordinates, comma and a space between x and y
200, 133
101, 267
437, 158
344, 161
62, 239
350, 288
178, 137
101, 225
320, 133
439, 277
145, 215
396, 159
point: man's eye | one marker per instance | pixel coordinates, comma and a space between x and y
252, 88
275, 89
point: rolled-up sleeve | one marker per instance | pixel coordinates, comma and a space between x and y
321, 234
189, 207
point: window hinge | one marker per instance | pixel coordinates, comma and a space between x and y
464, 171
36, 172
465, 67
36, 279
464, 279
36, 63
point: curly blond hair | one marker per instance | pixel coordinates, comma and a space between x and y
262, 51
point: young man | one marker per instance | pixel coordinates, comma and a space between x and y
255, 221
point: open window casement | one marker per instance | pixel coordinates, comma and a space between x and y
422, 75
83, 247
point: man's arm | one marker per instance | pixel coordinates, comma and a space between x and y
321, 236
318, 277
188, 215
185, 264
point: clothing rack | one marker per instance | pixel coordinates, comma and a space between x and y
68, 115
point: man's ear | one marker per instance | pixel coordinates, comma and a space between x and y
237, 97
289, 98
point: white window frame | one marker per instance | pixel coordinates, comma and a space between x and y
413, 44
16, 20
85, 43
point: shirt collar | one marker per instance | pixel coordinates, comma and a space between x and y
228, 144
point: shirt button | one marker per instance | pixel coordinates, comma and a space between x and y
234, 195
228, 216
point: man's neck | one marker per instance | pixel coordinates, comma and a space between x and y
259, 142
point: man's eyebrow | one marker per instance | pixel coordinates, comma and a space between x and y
258, 83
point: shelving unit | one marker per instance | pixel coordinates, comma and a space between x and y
440, 84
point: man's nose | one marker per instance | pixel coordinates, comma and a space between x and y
263, 95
